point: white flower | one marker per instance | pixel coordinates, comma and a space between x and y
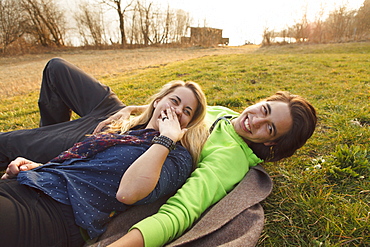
318, 166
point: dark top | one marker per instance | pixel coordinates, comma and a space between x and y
89, 185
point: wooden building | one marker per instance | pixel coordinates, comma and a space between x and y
205, 36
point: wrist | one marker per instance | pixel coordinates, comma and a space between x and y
135, 109
130, 108
164, 141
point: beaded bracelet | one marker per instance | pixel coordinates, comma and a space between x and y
165, 141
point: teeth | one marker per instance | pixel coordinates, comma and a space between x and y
246, 123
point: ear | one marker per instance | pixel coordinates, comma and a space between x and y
155, 103
269, 143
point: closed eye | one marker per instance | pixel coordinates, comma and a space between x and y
187, 112
267, 109
175, 101
264, 109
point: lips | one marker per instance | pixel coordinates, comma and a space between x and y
245, 125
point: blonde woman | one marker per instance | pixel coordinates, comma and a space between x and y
132, 162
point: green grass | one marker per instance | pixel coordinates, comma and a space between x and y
321, 195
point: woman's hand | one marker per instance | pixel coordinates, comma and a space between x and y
141, 178
123, 114
17, 165
169, 125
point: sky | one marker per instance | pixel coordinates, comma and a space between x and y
245, 20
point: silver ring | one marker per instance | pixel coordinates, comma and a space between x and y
164, 118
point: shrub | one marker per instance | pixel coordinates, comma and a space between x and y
348, 162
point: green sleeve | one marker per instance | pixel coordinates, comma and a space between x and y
225, 160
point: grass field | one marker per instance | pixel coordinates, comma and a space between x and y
22, 74
321, 195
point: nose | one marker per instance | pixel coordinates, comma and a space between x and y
259, 121
178, 112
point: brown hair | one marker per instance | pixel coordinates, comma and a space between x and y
304, 123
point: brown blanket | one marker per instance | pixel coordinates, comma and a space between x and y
236, 220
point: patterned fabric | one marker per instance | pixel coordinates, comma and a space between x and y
100, 142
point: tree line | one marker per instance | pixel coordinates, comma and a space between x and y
341, 25
35, 23
30, 24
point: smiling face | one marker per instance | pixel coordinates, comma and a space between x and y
184, 102
264, 122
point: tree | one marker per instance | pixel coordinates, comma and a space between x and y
10, 22
182, 23
162, 27
121, 11
160, 23
134, 31
342, 25
90, 25
145, 22
300, 31
44, 21
363, 20
267, 36
317, 34
339, 24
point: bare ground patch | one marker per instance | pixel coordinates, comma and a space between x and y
22, 74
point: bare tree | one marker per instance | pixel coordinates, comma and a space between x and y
300, 31
342, 25
90, 25
145, 22
169, 24
156, 27
267, 36
134, 30
182, 23
363, 21
160, 25
10, 22
121, 9
45, 21
338, 24
317, 33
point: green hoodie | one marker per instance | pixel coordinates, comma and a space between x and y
224, 161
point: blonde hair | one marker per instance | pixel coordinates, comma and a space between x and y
193, 139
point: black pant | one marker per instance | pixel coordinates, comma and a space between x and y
30, 218
64, 88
